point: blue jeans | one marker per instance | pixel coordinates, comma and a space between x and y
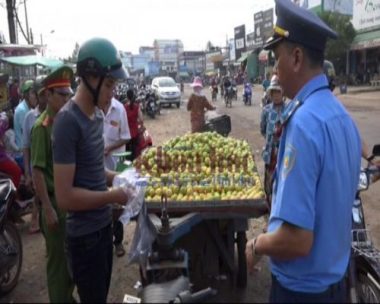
336, 293
89, 259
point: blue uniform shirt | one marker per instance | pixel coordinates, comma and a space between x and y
316, 179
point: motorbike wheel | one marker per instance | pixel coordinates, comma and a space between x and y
11, 236
241, 241
367, 290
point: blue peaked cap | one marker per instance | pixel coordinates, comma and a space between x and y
299, 25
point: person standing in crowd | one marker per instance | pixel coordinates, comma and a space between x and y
270, 128
14, 93
80, 179
9, 140
29, 121
135, 121
197, 105
116, 135
29, 102
309, 232
58, 92
7, 165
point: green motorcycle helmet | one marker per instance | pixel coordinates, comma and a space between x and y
99, 57
26, 86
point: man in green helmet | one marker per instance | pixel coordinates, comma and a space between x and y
80, 177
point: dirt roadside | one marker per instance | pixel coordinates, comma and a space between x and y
364, 107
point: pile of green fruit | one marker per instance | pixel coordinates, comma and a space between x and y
199, 167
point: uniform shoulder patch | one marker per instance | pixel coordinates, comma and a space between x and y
289, 160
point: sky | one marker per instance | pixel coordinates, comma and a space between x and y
130, 24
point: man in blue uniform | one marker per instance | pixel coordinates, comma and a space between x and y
309, 233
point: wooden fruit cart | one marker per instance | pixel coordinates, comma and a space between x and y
214, 235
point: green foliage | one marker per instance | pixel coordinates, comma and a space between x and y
336, 50
74, 57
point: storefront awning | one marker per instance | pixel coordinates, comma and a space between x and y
366, 40
32, 60
243, 57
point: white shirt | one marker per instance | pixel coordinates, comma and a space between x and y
115, 128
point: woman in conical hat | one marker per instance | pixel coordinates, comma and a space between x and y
198, 105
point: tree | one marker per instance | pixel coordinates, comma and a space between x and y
74, 56
336, 50
209, 46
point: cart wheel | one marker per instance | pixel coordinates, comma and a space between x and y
241, 241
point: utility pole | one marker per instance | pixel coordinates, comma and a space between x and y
27, 23
11, 21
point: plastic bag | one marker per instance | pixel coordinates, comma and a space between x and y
131, 178
145, 234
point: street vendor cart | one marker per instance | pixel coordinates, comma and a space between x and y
203, 190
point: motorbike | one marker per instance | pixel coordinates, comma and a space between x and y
364, 271
247, 96
148, 103
151, 107
228, 95
214, 92
10, 240
234, 92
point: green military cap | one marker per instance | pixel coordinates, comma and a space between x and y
60, 78
27, 85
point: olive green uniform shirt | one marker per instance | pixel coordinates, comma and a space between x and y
41, 149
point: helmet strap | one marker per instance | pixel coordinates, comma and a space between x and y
94, 92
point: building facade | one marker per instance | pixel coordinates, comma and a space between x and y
191, 63
364, 57
167, 53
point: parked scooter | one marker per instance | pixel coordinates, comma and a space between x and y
247, 96
10, 239
148, 102
365, 258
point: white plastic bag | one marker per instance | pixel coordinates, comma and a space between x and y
131, 178
143, 238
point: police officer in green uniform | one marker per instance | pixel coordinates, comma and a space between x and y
58, 92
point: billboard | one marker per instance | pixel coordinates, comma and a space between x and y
366, 14
258, 21
250, 41
263, 22
267, 29
239, 40
231, 44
